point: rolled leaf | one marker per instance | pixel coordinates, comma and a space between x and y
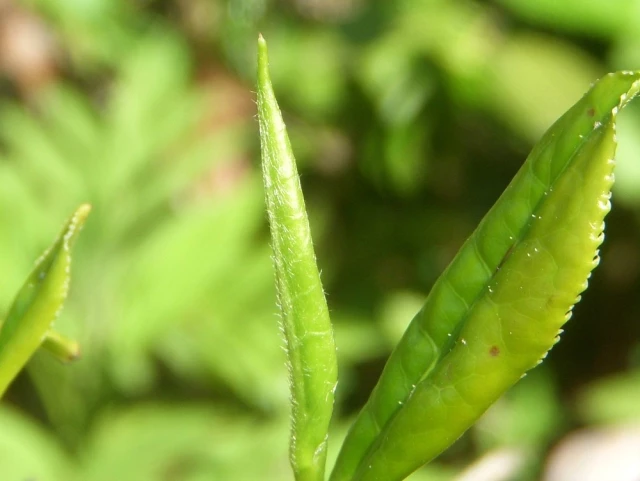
306, 325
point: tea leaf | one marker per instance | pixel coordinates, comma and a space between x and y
39, 302
305, 317
498, 308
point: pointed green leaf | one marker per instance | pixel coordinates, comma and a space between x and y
499, 306
305, 317
38, 303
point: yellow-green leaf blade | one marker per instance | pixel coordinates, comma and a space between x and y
38, 303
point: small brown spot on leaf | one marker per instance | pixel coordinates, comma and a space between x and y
591, 112
494, 351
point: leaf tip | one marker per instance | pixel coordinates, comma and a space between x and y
76, 223
263, 61
81, 214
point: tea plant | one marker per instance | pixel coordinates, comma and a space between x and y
29, 323
493, 314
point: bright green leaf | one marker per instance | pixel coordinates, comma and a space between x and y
305, 316
499, 306
39, 302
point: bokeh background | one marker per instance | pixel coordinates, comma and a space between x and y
408, 119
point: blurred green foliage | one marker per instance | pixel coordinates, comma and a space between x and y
408, 119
